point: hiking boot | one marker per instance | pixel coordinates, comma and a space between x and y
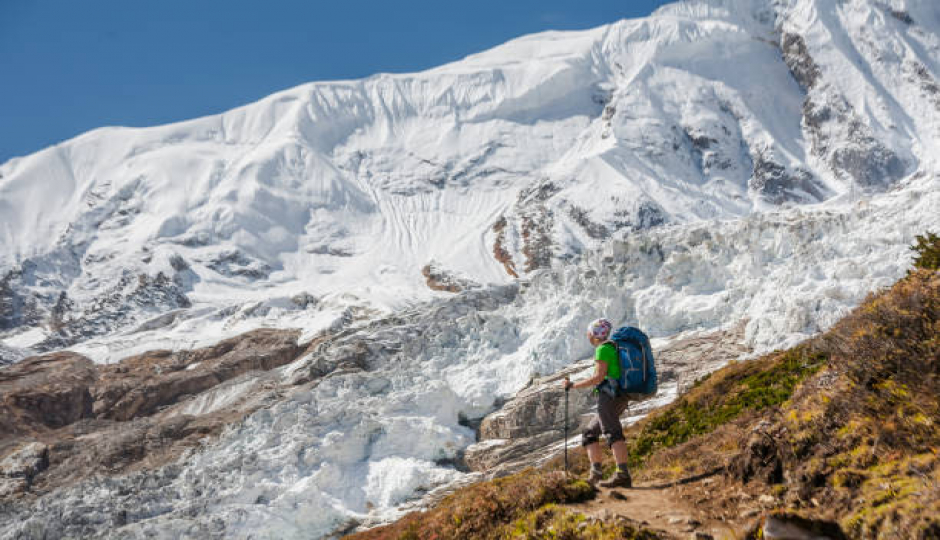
619, 479
595, 476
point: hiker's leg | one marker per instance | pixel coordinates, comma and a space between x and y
596, 456
619, 448
621, 478
591, 434
594, 452
609, 410
608, 414
620, 452
590, 439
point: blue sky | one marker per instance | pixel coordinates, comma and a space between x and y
72, 65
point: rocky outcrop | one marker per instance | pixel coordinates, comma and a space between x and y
45, 392
441, 279
31, 296
16, 307
801, 64
537, 223
791, 526
836, 131
525, 430
778, 184
580, 216
233, 263
64, 418
18, 468
130, 390
500, 253
691, 358
115, 308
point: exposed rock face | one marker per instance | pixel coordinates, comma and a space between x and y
115, 308
45, 392
537, 225
499, 247
63, 413
19, 468
798, 60
537, 407
32, 297
524, 430
235, 263
130, 390
778, 185
593, 230
867, 161
837, 133
16, 308
689, 359
441, 279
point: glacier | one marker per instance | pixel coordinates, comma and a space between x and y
721, 162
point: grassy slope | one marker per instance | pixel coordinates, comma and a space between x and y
843, 427
851, 417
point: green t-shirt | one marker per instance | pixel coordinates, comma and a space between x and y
607, 353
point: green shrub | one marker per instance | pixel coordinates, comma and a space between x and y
927, 251
753, 385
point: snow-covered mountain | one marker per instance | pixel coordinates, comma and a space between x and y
493, 166
721, 162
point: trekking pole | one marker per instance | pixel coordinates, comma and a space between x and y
566, 424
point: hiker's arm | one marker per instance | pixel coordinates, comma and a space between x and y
600, 371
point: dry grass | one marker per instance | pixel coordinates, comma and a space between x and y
858, 443
556, 523
486, 509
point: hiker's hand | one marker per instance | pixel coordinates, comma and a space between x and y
566, 384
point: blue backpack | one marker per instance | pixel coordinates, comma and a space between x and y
637, 367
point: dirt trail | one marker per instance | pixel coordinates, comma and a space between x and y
664, 507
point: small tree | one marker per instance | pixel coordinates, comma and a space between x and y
927, 251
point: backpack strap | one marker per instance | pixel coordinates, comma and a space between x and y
616, 348
643, 354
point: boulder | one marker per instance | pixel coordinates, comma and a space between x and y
540, 407
791, 526
526, 429
19, 467
759, 457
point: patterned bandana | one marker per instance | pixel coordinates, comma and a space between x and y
600, 329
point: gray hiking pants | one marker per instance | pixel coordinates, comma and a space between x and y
607, 420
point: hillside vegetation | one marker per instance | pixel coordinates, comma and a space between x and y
841, 429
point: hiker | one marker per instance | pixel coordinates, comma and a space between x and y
609, 408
